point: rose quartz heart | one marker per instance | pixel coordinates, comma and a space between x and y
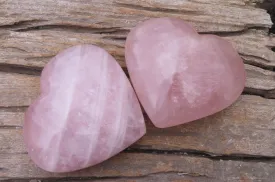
179, 75
87, 111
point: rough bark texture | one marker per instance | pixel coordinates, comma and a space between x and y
236, 145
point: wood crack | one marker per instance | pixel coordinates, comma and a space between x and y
218, 33
118, 33
158, 9
235, 33
108, 178
269, 6
212, 156
22, 27
36, 25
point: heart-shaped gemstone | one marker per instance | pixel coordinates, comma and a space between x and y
87, 111
179, 75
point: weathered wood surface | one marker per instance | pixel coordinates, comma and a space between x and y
140, 165
237, 144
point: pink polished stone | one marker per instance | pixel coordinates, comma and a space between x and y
179, 75
87, 111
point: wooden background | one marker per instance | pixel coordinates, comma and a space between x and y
236, 145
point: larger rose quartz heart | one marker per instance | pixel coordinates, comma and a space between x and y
179, 75
87, 111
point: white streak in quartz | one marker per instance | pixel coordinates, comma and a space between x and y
119, 120
100, 103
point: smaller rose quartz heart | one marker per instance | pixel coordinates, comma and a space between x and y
87, 111
179, 75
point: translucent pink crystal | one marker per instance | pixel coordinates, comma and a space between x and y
86, 113
179, 75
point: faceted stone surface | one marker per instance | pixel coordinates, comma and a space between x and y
179, 75
87, 111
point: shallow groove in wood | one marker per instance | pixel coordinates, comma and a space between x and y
10, 127
268, 94
14, 108
21, 23
20, 69
249, 62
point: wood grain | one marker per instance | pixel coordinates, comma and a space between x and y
237, 144
34, 48
138, 165
29, 38
18, 89
224, 16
